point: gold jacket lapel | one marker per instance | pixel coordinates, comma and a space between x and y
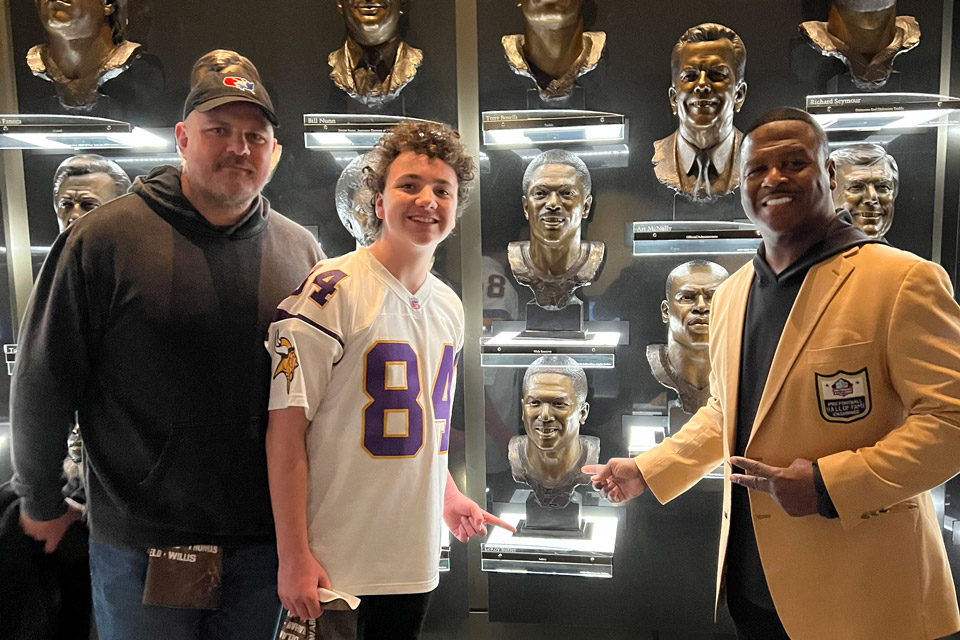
733, 339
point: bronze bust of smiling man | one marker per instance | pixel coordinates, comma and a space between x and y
701, 158
556, 201
554, 407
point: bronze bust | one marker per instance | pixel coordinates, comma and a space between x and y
354, 201
553, 49
700, 160
86, 47
867, 35
84, 182
374, 64
868, 180
554, 406
556, 200
683, 363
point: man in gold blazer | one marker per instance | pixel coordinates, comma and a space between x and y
846, 415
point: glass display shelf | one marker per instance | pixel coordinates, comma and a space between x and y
75, 133
347, 132
506, 348
536, 127
643, 430
873, 112
590, 557
690, 237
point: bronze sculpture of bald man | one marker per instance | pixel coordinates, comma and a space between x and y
683, 363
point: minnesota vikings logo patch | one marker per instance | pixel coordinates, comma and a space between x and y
288, 360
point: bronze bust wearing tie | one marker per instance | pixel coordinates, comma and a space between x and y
374, 64
701, 158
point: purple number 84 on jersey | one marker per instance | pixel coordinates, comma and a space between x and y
392, 382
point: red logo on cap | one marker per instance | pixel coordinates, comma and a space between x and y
239, 83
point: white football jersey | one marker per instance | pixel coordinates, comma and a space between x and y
374, 367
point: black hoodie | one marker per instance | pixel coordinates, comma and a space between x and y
769, 303
148, 321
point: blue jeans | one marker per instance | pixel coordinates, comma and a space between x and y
249, 606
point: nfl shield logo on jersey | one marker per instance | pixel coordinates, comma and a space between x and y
415, 303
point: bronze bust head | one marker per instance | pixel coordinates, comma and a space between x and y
867, 35
683, 363
556, 200
86, 46
354, 200
553, 49
84, 182
700, 159
374, 64
868, 180
554, 407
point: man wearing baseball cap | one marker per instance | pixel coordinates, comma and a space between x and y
147, 320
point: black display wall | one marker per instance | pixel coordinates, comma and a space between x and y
665, 562
666, 555
289, 42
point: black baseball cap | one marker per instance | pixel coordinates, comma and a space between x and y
214, 89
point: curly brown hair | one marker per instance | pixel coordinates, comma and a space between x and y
431, 139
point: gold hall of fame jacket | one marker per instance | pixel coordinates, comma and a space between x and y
865, 379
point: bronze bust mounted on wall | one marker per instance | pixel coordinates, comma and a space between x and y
84, 182
549, 456
85, 48
556, 201
868, 181
701, 159
867, 35
683, 363
374, 64
354, 201
553, 49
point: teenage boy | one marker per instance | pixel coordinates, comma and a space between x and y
364, 367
